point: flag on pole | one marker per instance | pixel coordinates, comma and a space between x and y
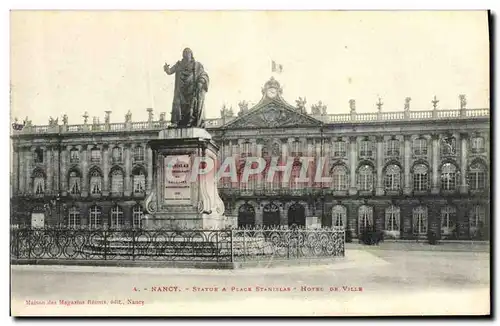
275, 67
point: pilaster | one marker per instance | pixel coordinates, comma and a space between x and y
435, 164
464, 187
407, 167
379, 190
353, 151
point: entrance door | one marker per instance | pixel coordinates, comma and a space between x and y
246, 216
271, 216
297, 215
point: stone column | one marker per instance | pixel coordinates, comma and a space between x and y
28, 168
150, 163
260, 180
128, 171
435, 164
407, 156
379, 189
105, 170
464, 187
65, 151
57, 168
49, 167
85, 170
15, 170
353, 151
284, 149
22, 169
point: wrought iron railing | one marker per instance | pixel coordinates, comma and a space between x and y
226, 245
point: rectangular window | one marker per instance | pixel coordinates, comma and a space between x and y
95, 156
420, 146
339, 149
478, 145
392, 147
117, 155
74, 218
365, 148
74, 156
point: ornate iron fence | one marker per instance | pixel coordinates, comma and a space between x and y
227, 245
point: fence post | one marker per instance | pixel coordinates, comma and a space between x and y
105, 244
217, 245
244, 245
17, 242
133, 244
232, 254
29, 242
287, 238
343, 243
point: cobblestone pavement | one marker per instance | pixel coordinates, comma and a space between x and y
368, 281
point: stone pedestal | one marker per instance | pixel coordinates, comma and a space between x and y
184, 193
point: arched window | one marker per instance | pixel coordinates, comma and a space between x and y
392, 178
95, 182
138, 154
117, 155
38, 182
392, 147
448, 215
74, 156
117, 216
365, 178
477, 217
95, 155
74, 183
74, 217
117, 181
339, 178
420, 220
392, 218
95, 216
477, 176
137, 213
419, 146
420, 177
477, 145
339, 216
448, 176
139, 181
365, 218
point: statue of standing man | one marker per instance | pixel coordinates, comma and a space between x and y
191, 84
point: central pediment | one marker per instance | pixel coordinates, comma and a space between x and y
273, 115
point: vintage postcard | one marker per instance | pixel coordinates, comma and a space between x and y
250, 163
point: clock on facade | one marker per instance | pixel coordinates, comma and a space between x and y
272, 92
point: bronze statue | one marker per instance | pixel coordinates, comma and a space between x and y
191, 84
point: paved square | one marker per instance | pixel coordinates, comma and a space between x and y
374, 281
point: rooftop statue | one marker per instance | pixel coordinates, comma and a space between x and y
191, 84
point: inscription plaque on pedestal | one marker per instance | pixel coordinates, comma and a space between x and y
177, 185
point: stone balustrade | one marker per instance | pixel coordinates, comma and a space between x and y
219, 122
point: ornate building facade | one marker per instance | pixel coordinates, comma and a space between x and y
404, 172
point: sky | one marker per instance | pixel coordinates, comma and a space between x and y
69, 62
